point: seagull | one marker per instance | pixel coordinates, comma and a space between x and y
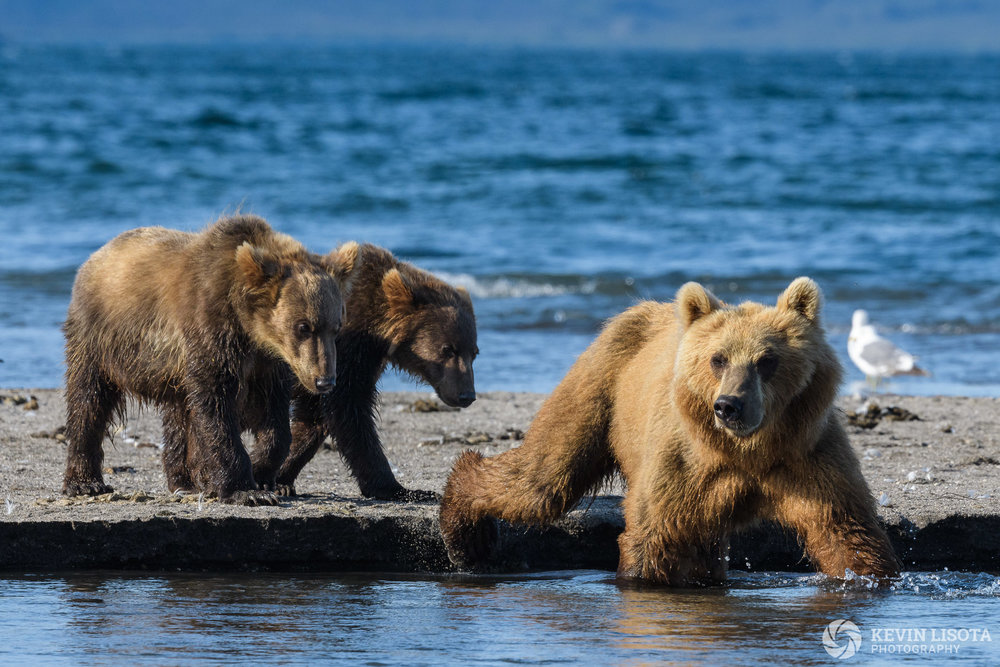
877, 357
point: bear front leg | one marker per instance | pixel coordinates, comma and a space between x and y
662, 545
827, 502
840, 537
175, 448
349, 415
469, 531
90, 403
565, 454
216, 457
270, 427
308, 432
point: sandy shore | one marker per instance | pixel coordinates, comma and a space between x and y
933, 463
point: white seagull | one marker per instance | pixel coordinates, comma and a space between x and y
877, 357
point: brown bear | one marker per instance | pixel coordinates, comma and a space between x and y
210, 327
396, 314
716, 416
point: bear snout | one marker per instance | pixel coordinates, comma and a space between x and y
325, 384
466, 398
729, 409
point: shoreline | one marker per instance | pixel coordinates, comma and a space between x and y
936, 479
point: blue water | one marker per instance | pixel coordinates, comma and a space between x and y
559, 186
553, 617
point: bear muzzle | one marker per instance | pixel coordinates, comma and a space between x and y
731, 414
461, 400
325, 384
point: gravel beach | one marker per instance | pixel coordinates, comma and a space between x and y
933, 464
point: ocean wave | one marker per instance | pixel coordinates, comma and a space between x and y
509, 287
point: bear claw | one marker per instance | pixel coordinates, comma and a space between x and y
251, 498
285, 490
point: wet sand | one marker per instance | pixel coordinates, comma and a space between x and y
936, 478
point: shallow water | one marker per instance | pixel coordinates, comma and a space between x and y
551, 617
560, 186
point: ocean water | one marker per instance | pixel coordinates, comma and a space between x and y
579, 617
558, 186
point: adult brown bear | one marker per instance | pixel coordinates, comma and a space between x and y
400, 315
717, 416
208, 326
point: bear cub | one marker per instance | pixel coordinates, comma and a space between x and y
716, 416
400, 315
211, 327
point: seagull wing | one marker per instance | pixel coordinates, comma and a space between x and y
886, 357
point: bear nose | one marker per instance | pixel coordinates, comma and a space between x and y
728, 408
466, 398
324, 385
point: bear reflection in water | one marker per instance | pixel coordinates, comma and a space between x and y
716, 416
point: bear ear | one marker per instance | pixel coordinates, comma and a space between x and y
693, 302
258, 265
802, 296
397, 292
343, 264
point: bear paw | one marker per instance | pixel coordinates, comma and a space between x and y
285, 490
81, 487
470, 545
252, 498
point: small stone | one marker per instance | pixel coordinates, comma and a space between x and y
883, 500
31, 404
475, 438
13, 399
872, 453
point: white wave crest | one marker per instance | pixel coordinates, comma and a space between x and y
515, 288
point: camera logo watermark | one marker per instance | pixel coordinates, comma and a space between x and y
842, 639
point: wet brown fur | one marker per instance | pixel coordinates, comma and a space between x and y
208, 326
400, 315
640, 401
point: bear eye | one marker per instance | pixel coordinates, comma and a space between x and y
719, 362
447, 352
767, 365
303, 329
